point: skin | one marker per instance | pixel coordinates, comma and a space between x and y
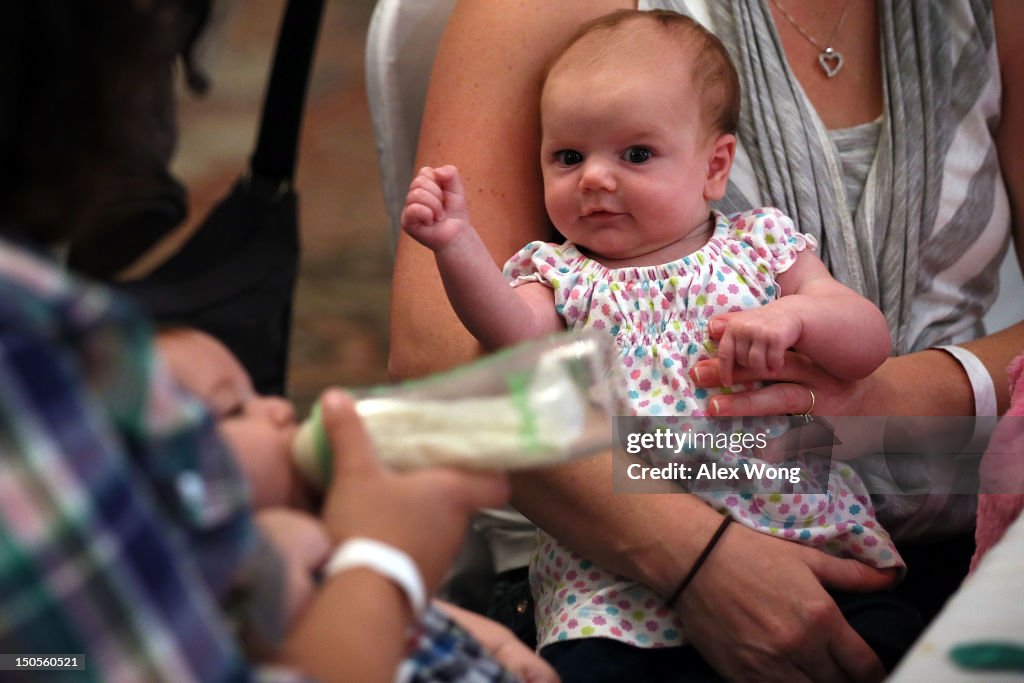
757, 608
304, 544
630, 184
503, 645
259, 430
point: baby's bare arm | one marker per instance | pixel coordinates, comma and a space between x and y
840, 330
502, 644
303, 543
837, 328
497, 315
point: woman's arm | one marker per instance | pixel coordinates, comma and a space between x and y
366, 645
481, 115
997, 351
1009, 20
757, 609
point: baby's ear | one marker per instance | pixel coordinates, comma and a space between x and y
720, 155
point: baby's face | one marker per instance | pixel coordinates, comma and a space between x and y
259, 429
624, 151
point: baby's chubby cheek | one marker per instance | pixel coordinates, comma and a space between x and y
263, 453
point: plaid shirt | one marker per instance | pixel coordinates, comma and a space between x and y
124, 525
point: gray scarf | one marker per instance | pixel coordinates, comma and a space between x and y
878, 250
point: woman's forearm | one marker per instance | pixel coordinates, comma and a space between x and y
366, 644
932, 382
652, 538
997, 350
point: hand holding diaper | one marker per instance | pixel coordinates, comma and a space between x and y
541, 403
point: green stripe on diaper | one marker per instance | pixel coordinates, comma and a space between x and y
519, 395
322, 446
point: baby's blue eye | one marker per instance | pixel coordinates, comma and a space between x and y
569, 157
637, 155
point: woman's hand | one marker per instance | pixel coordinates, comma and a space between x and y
788, 392
758, 610
929, 382
423, 512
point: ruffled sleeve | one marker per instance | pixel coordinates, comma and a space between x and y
773, 236
541, 262
560, 267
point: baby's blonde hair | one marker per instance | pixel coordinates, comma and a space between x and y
713, 72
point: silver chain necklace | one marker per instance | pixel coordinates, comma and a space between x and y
830, 59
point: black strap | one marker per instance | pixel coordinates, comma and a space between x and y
699, 562
272, 164
276, 150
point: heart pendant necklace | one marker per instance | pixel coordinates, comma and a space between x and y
830, 59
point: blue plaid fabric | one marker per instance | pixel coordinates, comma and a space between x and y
124, 524
445, 653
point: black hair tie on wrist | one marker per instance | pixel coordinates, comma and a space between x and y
700, 561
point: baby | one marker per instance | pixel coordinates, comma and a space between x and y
638, 120
260, 431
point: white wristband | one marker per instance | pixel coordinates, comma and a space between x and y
384, 559
981, 381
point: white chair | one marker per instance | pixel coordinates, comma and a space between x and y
400, 47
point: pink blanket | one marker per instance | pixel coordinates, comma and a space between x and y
1002, 470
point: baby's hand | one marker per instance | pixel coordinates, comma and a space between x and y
503, 645
526, 664
757, 339
303, 544
435, 208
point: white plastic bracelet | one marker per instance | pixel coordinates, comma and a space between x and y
384, 559
981, 381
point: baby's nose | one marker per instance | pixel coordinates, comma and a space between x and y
277, 409
596, 175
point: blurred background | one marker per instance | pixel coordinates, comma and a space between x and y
340, 324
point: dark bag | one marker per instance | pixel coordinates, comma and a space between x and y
235, 277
